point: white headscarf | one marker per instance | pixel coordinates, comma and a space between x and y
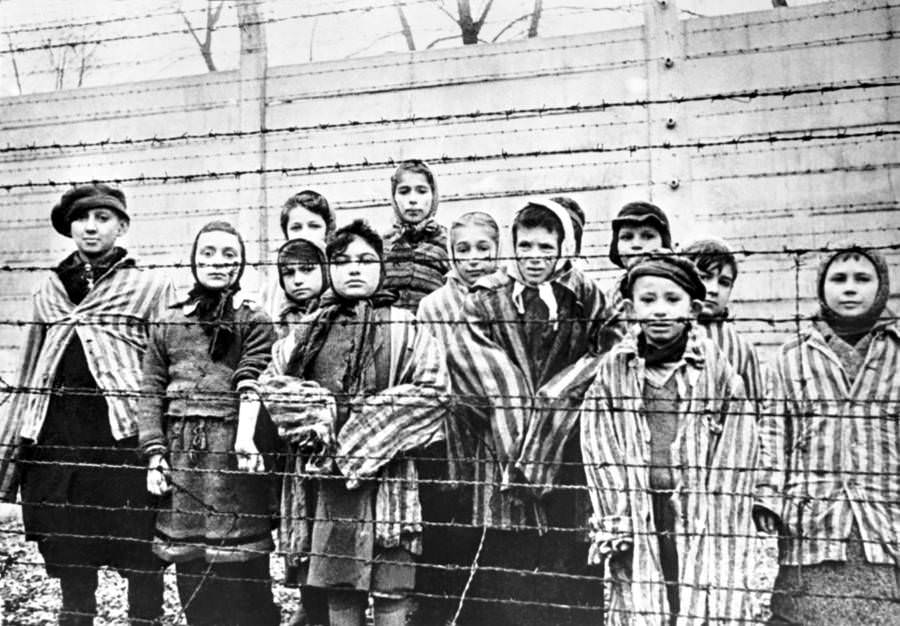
566, 253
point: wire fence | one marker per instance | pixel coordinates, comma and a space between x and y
468, 480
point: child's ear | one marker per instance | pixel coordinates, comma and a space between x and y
628, 308
696, 307
123, 227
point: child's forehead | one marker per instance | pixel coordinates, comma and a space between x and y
218, 239
656, 284
470, 232
358, 246
850, 261
411, 177
301, 214
638, 227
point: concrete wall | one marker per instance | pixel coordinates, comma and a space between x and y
499, 123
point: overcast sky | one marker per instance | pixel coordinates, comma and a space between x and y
148, 39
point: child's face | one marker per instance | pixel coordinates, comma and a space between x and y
662, 307
537, 250
635, 240
302, 281
218, 259
304, 223
356, 272
474, 252
718, 282
851, 284
413, 197
95, 231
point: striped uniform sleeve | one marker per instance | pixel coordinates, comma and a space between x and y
605, 466
405, 416
773, 432
488, 381
12, 419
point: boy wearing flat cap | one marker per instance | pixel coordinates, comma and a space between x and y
670, 447
70, 441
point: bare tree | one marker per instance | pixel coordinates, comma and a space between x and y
470, 28
213, 13
72, 59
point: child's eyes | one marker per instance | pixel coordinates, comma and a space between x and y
673, 299
863, 278
484, 247
724, 282
462, 248
626, 236
340, 260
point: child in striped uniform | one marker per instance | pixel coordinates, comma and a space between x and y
365, 387
83, 496
718, 271
523, 330
670, 450
415, 251
474, 248
831, 452
198, 416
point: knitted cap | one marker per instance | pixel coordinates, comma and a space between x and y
78, 200
677, 269
641, 214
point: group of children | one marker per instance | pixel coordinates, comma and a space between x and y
456, 425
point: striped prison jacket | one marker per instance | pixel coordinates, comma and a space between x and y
714, 457
523, 431
739, 352
831, 448
383, 426
112, 323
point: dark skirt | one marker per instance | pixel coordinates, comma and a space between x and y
84, 494
214, 512
852, 592
344, 554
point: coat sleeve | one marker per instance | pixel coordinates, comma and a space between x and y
559, 399
486, 380
405, 416
606, 469
258, 337
774, 426
12, 411
152, 401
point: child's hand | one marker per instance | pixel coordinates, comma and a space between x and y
158, 475
766, 521
248, 457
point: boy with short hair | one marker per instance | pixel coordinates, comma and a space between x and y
718, 270
522, 330
830, 440
670, 447
75, 449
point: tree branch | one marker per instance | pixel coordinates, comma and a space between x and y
439, 40
484, 14
404, 26
521, 18
535, 19
15, 64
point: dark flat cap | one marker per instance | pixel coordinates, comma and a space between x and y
80, 199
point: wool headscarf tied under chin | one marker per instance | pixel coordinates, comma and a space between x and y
856, 326
427, 228
214, 308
